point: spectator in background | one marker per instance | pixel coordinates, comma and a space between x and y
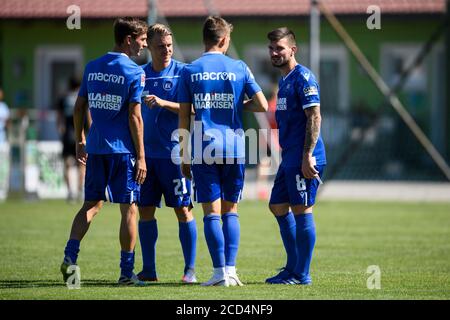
4, 118
66, 130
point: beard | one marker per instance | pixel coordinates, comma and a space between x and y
280, 64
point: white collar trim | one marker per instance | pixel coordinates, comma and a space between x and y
118, 53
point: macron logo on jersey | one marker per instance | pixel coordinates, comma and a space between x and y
220, 76
105, 77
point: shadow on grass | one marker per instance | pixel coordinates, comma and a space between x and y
87, 283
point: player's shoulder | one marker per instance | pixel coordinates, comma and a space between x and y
178, 64
236, 62
131, 65
304, 74
97, 61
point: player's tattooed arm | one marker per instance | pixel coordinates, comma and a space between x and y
313, 122
312, 129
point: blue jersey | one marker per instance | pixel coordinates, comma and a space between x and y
109, 84
216, 85
159, 123
297, 91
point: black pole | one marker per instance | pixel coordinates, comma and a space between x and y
447, 85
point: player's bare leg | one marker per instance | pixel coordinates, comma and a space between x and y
83, 219
128, 227
184, 214
147, 213
80, 226
127, 236
279, 210
300, 209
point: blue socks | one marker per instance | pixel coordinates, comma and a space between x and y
188, 239
287, 230
231, 232
214, 239
72, 249
305, 240
223, 243
126, 263
148, 234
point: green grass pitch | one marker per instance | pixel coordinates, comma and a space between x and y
409, 242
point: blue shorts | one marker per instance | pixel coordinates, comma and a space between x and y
165, 178
214, 181
111, 177
291, 187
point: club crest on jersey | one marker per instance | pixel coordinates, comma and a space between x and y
142, 80
167, 85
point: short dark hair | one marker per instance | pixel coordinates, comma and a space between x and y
128, 26
214, 29
281, 33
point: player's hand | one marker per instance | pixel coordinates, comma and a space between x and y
308, 169
141, 170
81, 154
152, 101
186, 170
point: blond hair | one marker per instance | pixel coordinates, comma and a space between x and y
158, 29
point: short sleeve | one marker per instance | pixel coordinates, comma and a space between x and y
184, 90
309, 92
251, 87
137, 86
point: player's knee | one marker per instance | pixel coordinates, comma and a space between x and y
184, 214
273, 209
147, 213
300, 209
93, 206
278, 210
229, 207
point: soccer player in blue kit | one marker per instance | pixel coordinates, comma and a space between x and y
216, 85
303, 158
114, 149
163, 175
